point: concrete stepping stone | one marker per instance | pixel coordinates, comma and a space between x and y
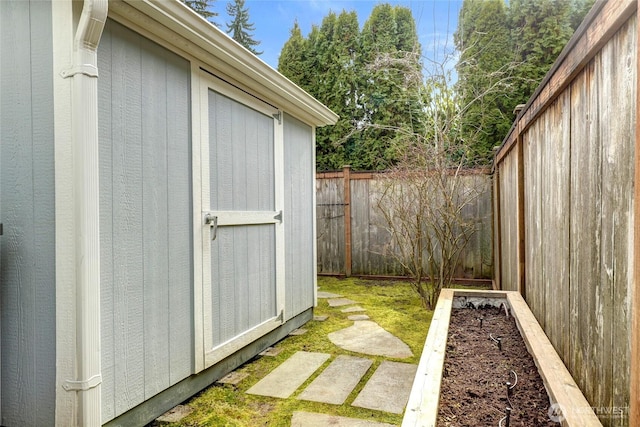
286, 378
233, 378
388, 388
354, 309
320, 318
366, 336
310, 419
297, 332
323, 294
338, 302
355, 317
337, 381
174, 415
271, 352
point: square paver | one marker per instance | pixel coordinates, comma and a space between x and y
337, 381
233, 378
354, 309
322, 294
174, 415
271, 352
355, 317
388, 388
338, 302
311, 419
291, 374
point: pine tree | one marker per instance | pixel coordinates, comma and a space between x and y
204, 8
240, 29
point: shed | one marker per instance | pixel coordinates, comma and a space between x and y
157, 207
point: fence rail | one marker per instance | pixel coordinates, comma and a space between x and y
353, 237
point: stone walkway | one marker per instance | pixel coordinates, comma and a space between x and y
386, 390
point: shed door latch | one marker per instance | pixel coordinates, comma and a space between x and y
212, 221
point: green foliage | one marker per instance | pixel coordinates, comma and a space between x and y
240, 29
506, 48
363, 76
204, 8
483, 41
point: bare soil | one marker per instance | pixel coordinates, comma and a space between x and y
474, 390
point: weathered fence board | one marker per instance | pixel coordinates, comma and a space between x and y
369, 238
330, 225
508, 223
578, 144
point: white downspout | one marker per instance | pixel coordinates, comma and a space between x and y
84, 123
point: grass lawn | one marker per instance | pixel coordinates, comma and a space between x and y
393, 305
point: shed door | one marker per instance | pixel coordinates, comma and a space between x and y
241, 219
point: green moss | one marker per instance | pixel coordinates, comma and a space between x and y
393, 305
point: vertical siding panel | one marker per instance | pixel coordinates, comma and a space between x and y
298, 216
28, 245
44, 225
179, 218
154, 220
107, 306
127, 218
145, 219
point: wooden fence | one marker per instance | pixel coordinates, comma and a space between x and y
566, 207
352, 234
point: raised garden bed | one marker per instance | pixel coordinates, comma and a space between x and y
567, 404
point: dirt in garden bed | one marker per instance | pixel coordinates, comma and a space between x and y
474, 390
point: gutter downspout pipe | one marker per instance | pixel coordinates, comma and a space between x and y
84, 122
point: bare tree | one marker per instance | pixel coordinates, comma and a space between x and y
424, 203
426, 197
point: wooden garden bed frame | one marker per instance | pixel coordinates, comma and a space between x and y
422, 409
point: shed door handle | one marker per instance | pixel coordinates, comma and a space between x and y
212, 221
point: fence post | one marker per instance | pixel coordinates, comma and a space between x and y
347, 219
521, 220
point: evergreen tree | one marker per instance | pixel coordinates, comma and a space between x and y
483, 69
292, 61
391, 98
539, 29
240, 29
506, 48
204, 8
579, 9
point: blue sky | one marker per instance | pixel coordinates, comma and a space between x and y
436, 21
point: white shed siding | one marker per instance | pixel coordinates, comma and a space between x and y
299, 214
145, 204
27, 248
